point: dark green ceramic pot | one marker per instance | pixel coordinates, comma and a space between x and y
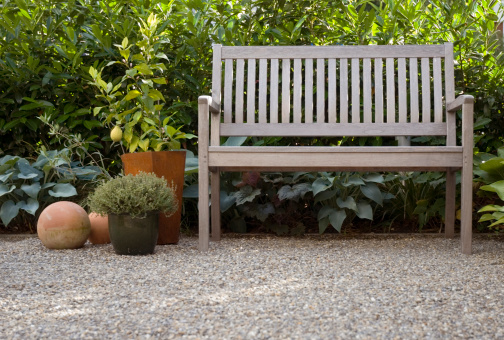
134, 236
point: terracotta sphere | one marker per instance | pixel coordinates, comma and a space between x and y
99, 229
63, 225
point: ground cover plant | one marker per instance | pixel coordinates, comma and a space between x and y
47, 49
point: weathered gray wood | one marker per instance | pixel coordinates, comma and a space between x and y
402, 90
327, 52
203, 201
263, 89
366, 92
344, 90
285, 91
216, 75
390, 91
297, 94
438, 90
355, 91
228, 91
414, 106
240, 82
274, 92
378, 77
320, 91
331, 91
251, 90
467, 174
426, 96
451, 134
215, 206
450, 204
309, 91
334, 129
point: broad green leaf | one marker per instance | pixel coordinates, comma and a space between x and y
325, 211
161, 80
321, 184
491, 207
144, 144
31, 190
494, 166
8, 211
234, 141
124, 43
364, 210
4, 189
63, 190
133, 144
132, 94
144, 69
295, 192
26, 170
323, 224
46, 78
246, 194
349, 203
337, 218
226, 201
371, 191
353, 180
30, 206
191, 191
376, 178
325, 195
497, 187
5, 177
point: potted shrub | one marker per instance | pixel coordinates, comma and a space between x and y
133, 204
134, 109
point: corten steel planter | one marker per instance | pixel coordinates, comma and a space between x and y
132, 235
170, 165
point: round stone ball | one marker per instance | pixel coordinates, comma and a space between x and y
99, 229
63, 225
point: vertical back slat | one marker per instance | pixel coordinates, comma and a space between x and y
320, 91
426, 97
263, 89
285, 90
438, 90
413, 75
296, 97
274, 91
343, 90
228, 90
217, 74
390, 91
355, 91
251, 76
240, 82
402, 89
451, 139
309, 91
378, 80
331, 91
366, 78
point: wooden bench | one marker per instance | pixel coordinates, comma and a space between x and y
310, 91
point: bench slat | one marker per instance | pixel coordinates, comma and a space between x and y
274, 92
355, 91
378, 66
331, 91
303, 52
320, 91
251, 86
240, 82
296, 96
344, 90
402, 90
309, 90
438, 90
390, 91
426, 108
366, 77
334, 129
413, 75
228, 91
285, 91
263, 89
451, 134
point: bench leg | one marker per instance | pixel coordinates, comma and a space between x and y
466, 211
204, 211
215, 213
450, 204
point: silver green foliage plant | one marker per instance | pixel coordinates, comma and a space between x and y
30, 187
135, 195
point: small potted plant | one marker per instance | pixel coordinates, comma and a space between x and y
133, 204
133, 105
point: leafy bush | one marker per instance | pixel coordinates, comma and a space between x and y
134, 195
27, 188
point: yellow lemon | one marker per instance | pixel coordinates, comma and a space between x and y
116, 134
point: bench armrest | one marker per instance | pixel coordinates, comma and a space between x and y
213, 107
459, 102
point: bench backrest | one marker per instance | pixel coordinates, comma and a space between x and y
334, 90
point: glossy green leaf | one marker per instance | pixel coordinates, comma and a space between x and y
371, 191
63, 190
8, 211
31, 190
497, 187
336, 218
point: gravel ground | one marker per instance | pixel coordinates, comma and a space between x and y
381, 287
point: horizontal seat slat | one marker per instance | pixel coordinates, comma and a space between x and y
335, 158
370, 51
333, 129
